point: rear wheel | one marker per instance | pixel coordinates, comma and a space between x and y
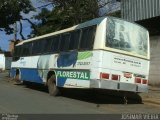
52, 88
17, 78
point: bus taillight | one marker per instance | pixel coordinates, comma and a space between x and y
144, 82
104, 75
115, 77
138, 80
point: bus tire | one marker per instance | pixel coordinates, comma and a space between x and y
52, 88
17, 79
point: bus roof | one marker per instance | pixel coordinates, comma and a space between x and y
79, 26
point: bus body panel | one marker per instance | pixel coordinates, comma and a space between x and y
35, 69
124, 63
114, 64
27, 67
72, 68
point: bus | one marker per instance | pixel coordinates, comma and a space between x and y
104, 53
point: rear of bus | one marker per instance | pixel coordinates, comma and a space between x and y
121, 56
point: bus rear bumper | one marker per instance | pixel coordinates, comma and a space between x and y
119, 86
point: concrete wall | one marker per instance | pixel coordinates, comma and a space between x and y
2, 62
154, 77
8, 61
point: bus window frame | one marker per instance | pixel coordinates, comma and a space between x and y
78, 41
63, 50
93, 39
43, 52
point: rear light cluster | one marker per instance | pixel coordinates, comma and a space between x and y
104, 75
107, 76
141, 80
115, 77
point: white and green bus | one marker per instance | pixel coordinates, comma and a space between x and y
103, 53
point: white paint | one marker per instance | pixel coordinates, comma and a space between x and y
2, 62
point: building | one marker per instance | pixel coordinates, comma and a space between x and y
12, 44
6, 57
147, 14
5, 61
2, 62
8, 60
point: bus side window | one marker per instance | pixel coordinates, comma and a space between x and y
16, 51
24, 49
64, 41
74, 40
55, 43
27, 49
20, 49
29, 52
16, 55
36, 47
47, 45
91, 36
87, 38
42, 46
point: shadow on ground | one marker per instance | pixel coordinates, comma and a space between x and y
92, 95
102, 96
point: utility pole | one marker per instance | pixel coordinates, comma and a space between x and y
15, 31
13, 42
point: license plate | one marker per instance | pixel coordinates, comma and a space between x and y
128, 75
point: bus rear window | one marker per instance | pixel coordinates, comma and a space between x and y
126, 36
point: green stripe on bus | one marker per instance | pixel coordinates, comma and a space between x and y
84, 55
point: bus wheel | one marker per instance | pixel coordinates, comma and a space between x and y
17, 78
52, 88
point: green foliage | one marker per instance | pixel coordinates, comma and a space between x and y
10, 12
116, 14
0, 50
66, 13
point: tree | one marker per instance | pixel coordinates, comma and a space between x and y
1, 50
10, 12
67, 13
